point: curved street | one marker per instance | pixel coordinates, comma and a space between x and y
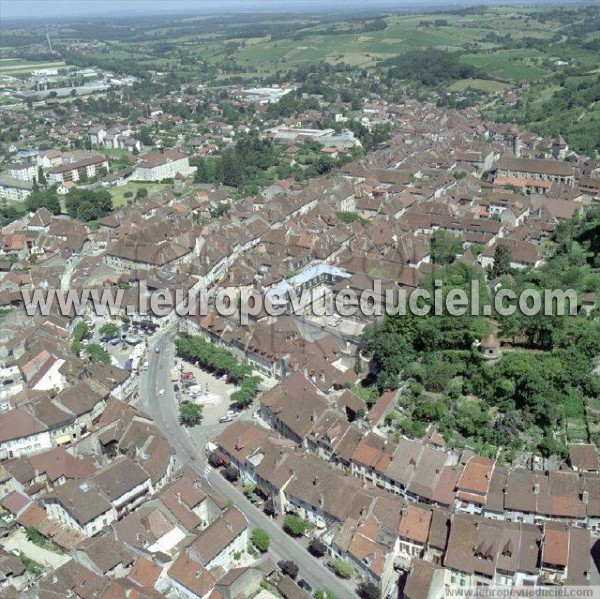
189, 444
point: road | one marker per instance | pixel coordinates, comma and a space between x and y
189, 446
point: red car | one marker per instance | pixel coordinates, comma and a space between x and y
187, 375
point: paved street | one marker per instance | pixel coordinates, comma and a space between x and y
189, 445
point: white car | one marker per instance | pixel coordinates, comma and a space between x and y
161, 392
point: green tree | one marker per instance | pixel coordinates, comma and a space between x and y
294, 525
86, 211
392, 353
109, 331
550, 446
204, 173
79, 331
367, 590
231, 473
317, 548
43, 198
289, 568
190, 413
97, 353
444, 247
260, 539
41, 177
141, 193
88, 204
342, 568
35, 536
502, 258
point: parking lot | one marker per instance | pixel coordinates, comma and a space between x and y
122, 345
201, 387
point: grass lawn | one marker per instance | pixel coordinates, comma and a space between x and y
118, 193
16, 66
483, 85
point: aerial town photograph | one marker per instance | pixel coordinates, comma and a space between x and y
299, 299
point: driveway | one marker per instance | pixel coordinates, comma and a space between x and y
46, 558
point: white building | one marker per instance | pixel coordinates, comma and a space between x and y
160, 165
23, 171
217, 544
74, 171
80, 505
15, 190
21, 434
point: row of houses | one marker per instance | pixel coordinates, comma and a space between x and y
420, 472
381, 533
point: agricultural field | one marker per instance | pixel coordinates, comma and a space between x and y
487, 86
510, 65
489, 51
16, 66
356, 49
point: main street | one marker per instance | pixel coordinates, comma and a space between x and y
189, 445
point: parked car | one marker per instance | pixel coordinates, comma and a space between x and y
224, 419
187, 375
304, 585
161, 392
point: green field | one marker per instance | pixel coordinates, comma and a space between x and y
355, 49
118, 193
510, 65
483, 85
16, 66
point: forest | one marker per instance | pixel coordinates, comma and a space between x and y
539, 394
